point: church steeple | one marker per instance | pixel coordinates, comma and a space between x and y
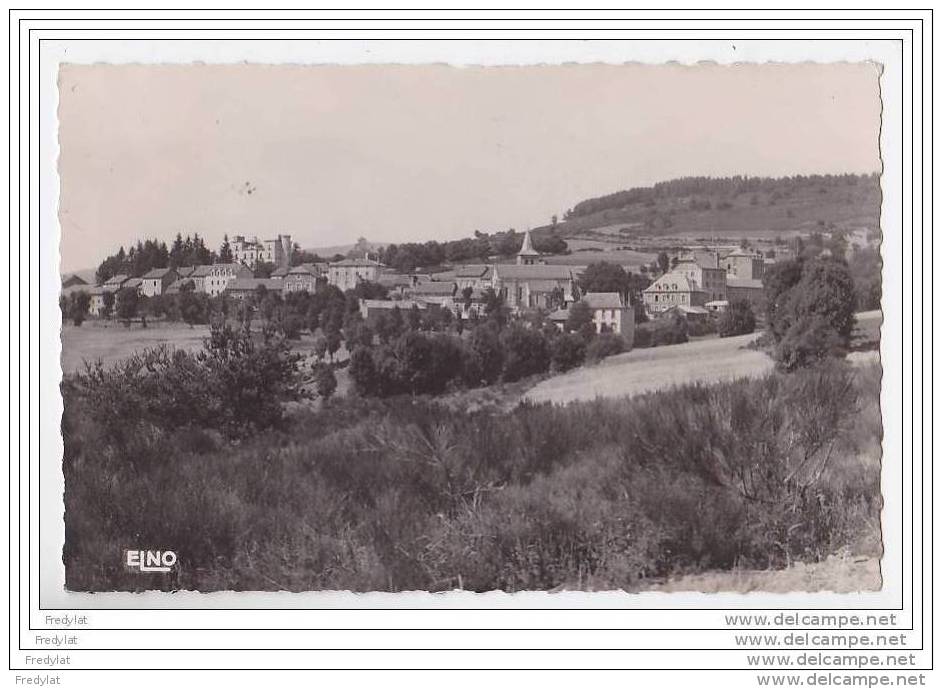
527, 255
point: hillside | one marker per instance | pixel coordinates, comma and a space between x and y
702, 207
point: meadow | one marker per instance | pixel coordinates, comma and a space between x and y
112, 342
707, 360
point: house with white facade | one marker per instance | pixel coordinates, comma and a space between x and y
610, 313
347, 273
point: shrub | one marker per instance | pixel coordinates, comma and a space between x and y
486, 345
526, 352
324, 380
738, 319
568, 351
234, 384
404, 494
699, 327
363, 371
606, 344
666, 330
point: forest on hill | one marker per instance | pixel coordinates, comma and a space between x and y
707, 206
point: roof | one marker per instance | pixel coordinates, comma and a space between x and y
603, 300
404, 304
355, 263
394, 280
184, 271
444, 276
717, 303
176, 285
251, 284
74, 279
280, 271
543, 285
472, 271
201, 271
739, 253
673, 282
538, 272
132, 282
683, 308
303, 269
527, 248
117, 279
704, 259
747, 283
435, 288
156, 273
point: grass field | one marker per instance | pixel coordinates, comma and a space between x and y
643, 370
701, 361
112, 342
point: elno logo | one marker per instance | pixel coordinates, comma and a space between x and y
150, 560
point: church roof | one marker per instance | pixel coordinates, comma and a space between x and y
527, 248
535, 272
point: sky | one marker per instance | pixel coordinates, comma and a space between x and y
411, 153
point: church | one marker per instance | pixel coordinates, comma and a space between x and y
531, 283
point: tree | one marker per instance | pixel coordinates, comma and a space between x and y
738, 319
579, 320
486, 346
814, 318
263, 269
363, 372
225, 251
604, 277
567, 351
324, 380
126, 303
79, 303
320, 347
553, 244
663, 261
333, 342
108, 303
526, 352
466, 296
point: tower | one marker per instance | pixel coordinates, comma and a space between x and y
527, 256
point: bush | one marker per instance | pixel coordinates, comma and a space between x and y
526, 352
235, 384
568, 351
701, 326
738, 319
325, 380
407, 495
606, 344
488, 353
666, 330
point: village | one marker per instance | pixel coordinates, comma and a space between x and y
695, 284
